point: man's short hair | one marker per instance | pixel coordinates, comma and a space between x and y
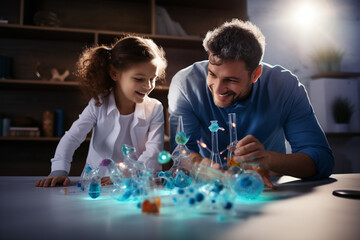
234, 41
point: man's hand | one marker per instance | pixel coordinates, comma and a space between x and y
252, 154
250, 151
53, 181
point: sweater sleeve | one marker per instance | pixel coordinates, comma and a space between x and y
304, 133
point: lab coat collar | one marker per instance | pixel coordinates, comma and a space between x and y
139, 107
138, 126
111, 105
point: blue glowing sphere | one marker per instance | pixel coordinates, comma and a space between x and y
164, 157
248, 185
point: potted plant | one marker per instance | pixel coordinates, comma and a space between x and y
342, 111
328, 59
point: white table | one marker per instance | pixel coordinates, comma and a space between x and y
297, 210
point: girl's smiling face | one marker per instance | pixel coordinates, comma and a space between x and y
134, 83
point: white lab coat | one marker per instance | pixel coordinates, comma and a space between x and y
147, 134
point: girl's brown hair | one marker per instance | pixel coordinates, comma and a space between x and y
93, 66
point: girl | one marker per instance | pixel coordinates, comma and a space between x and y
118, 80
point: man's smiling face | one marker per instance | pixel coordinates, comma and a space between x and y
229, 82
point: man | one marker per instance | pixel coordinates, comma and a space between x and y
271, 106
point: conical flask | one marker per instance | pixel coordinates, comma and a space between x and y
215, 156
233, 141
182, 168
181, 139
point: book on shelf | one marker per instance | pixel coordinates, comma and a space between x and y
24, 132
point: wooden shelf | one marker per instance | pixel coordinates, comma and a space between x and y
336, 75
36, 82
20, 84
91, 36
46, 33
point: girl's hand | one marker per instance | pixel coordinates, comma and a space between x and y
207, 162
106, 181
52, 181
